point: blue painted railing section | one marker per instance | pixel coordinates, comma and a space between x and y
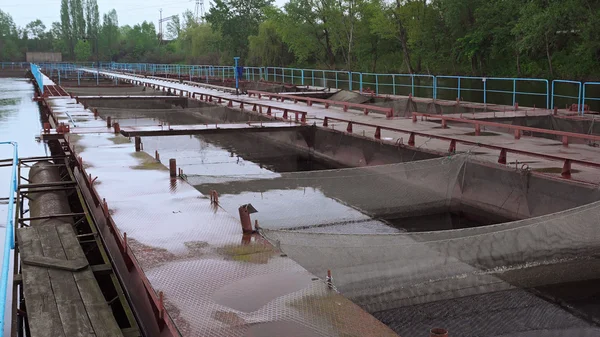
39, 79
570, 90
586, 95
487, 90
9, 239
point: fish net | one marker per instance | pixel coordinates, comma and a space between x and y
325, 200
334, 221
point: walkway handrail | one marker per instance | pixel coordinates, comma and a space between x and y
37, 74
389, 112
9, 239
519, 128
554, 94
485, 89
583, 95
341, 79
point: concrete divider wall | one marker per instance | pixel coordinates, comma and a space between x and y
514, 194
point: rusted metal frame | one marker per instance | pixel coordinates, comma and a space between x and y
478, 123
453, 141
129, 258
300, 116
52, 216
345, 105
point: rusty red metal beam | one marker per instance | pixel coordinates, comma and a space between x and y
567, 162
389, 112
517, 129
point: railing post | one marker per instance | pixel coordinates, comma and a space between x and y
302, 74
376, 84
458, 89
583, 100
361, 82
514, 92
551, 101
350, 81
484, 91
547, 94
393, 84
412, 84
336, 80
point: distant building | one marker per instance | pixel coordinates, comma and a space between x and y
44, 57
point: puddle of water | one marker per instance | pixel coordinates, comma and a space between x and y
20, 122
252, 293
305, 209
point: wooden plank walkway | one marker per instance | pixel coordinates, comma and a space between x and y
61, 302
61, 293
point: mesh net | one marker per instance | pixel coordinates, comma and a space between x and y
327, 199
333, 220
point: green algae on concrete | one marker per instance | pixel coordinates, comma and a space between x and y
120, 140
147, 162
252, 253
74, 139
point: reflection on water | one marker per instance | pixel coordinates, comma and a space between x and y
20, 122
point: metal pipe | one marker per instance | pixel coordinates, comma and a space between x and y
9, 239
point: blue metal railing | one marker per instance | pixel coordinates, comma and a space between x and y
555, 95
9, 239
486, 85
584, 95
478, 89
37, 74
14, 65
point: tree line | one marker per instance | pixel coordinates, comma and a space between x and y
526, 38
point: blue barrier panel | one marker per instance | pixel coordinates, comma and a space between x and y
555, 95
37, 74
480, 87
585, 93
9, 239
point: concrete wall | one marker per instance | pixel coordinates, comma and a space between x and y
43, 57
13, 73
513, 194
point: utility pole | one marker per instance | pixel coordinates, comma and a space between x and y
160, 22
199, 10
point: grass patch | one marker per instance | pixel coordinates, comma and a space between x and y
556, 170
120, 140
147, 162
252, 253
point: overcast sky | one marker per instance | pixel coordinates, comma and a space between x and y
130, 11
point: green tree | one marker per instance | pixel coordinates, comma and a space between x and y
109, 35
8, 38
83, 51
76, 13
236, 20
66, 28
267, 48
